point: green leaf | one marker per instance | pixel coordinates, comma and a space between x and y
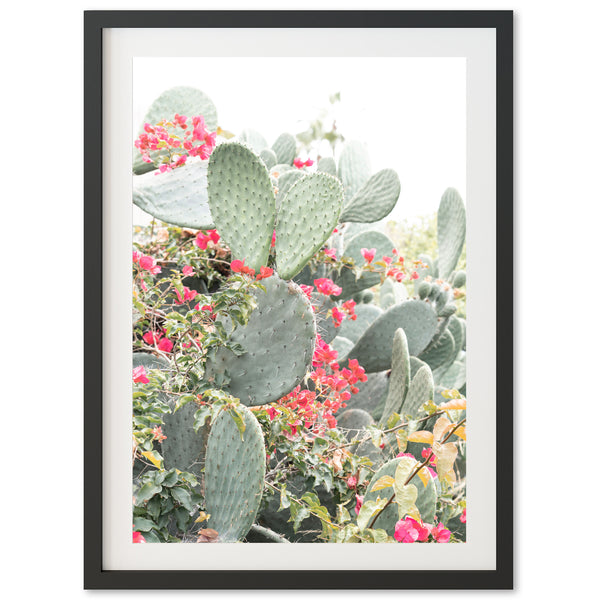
298, 514
183, 497
238, 419
171, 478
141, 524
146, 492
182, 516
368, 510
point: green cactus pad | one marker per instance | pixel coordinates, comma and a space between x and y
307, 276
181, 100
285, 181
456, 328
441, 352
179, 197
253, 140
419, 392
368, 296
399, 377
365, 315
327, 165
308, 214
430, 268
342, 346
460, 279
242, 202
279, 341
234, 475
374, 200
424, 289
370, 393
354, 420
354, 168
268, 157
426, 499
285, 148
369, 239
374, 349
451, 231
456, 376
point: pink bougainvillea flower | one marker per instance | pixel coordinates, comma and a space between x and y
309, 162
139, 375
337, 315
273, 239
148, 263
138, 538
264, 273
402, 454
188, 271
427, 453
331, 420
307, 289
298, 163
414, 275
187, 295
387, 260
368, 254
151, 337
351, 481
359, 503
158, 434
397, 274
165, 345
327, 287
348, 308
463, 517
440, 534
405, 532
238, 266
331, 252
272, 412
136, 256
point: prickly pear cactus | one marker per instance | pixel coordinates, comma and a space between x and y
365, 315
242, 202
375, 199
399, 377
354, 167
452, 229
278, 340
179, 197
419, 392
308, 214
284, 148
235, 474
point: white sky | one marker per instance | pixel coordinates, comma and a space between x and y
411, 112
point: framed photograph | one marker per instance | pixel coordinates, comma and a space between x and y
289, 216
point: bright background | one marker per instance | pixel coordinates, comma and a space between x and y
557, 203
410, 112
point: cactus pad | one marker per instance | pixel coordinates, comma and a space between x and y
441, 352
374, 349
285, 148
179, 197
365, 315
374, 200
327, 165
354, 168
419, 391
242, 202
253, 140
235, 475
279, 341
451, 231
399, 377
268, 157
308, 214
370, 392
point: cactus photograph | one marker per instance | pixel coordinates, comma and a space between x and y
299, 328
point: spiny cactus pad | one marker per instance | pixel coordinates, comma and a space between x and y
234, 475
308, 214
419, 392
279, 341
426, 499
253, 139
179, 197
365, 315
441, 352
369, 239
327, 165
355, 420
354, 168
391, 292
326, 328
268, 157
374, 200
370, 392
285, 148
451, 231
342, 346
285, 181
181, 100
242, 202
399, 377
374, 349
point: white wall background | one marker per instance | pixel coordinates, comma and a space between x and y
557, 158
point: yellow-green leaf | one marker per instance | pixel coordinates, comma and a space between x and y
401, 439
154, 457
461, 432
383, 482
422, 437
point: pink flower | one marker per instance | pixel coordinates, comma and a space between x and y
351, 481
138, 538
307, 289
188, 271
359, 503
405, 532
158, 435
165, 345
387, 260
331, 252
463, 517
309, 162
137, 256
151, 338
139, 375
264, 273
440, 534
298, 163
337, 315
272, 412
187, 295
238, 266
414, 275
273, 239
203, 239
149, 264
368, 255
327, 287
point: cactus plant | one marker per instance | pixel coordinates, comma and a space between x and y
278, 340
374, 200
285, 148
179, 197
365, 315
242, 202
452, 219
354, 168
235, 474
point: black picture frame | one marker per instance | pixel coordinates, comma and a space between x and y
95, 577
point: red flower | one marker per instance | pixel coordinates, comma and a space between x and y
359, 503
368, 254
138, 538
165, 345
463, 517
351, 481
158, 434
440, 534
238, 266
149, 264
139, 375
327, 287
264, 273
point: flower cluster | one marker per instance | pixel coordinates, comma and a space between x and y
202, 239
410, 530
238, 266
146, 263
155, 338
299, 163
174, 141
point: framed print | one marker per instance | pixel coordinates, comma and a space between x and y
289, 216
